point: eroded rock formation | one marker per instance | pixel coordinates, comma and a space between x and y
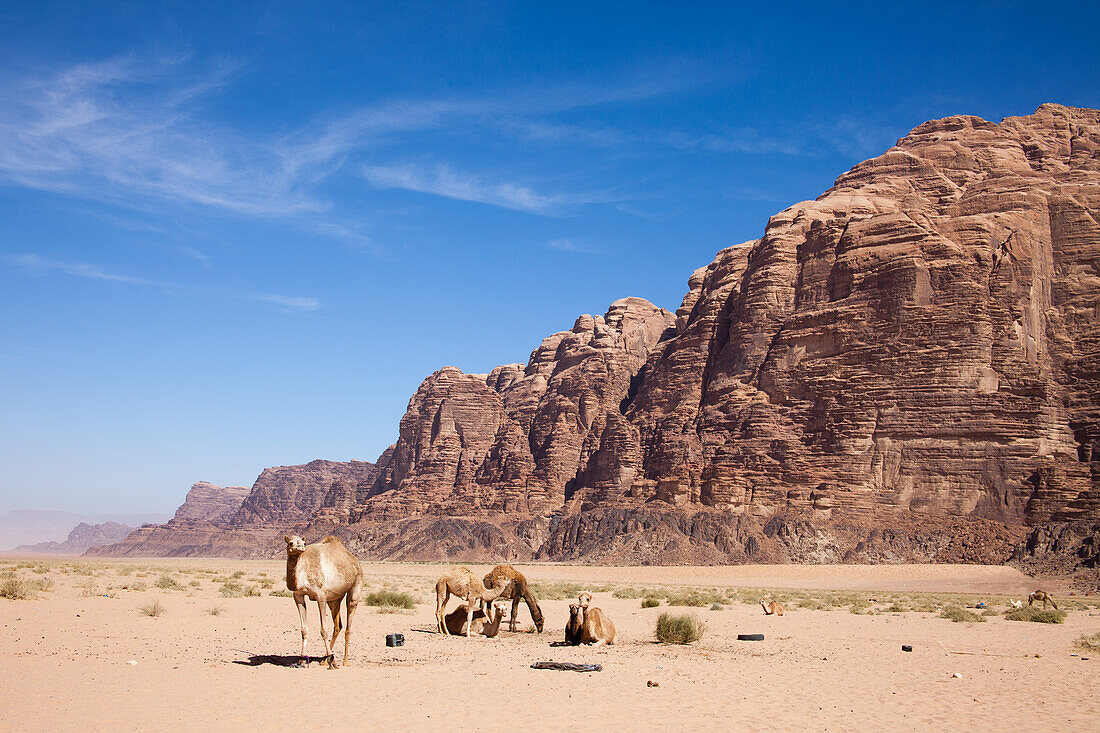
211, 502
915, 349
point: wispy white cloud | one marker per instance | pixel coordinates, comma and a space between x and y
444, 181
76, 269
571, 245
89, 271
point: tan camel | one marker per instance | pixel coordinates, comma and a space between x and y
502, 575
460, 581
1041, 596
774, 607
584, 599
489, 627
588, 625
327, 573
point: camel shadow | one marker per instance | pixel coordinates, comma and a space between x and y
279, 660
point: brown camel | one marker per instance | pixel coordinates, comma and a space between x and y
774, 607
588, 625
327, 573
1041, 596
489, 627
502, 575
460, 581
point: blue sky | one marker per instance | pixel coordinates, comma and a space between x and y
241, 238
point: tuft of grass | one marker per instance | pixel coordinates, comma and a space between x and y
959, 614
154, 609
195, 583
696, 598
167, 582
284, 593
1036, 615
238, 574
991, 612
1091, 642
717, 606
392, 598
679, 629
651, 602
215, 610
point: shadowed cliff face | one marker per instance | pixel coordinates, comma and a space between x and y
920, 342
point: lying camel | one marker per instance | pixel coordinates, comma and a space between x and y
327, 573
502, 575
774, 607
588, 625
1041, 596
490, 627
460, 581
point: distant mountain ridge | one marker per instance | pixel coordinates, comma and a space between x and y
30, 526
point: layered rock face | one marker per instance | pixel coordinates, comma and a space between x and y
211, 502
913, 353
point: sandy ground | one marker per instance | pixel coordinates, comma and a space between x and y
76, 660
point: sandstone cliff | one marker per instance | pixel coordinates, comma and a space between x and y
911, 353
211, 502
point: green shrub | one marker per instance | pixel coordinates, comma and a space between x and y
958, 614
1036, 615
391, 598
650, 602
680, 629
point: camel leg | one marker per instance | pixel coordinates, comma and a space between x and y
334, 609
469, 616
321, 603
300, 601
351, 605
442, 595
515, 612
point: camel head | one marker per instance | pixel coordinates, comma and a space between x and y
536, 616
294, 544
574, 612
584, 599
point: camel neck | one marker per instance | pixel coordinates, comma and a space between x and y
291, 576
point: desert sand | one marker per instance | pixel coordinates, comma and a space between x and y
83, 656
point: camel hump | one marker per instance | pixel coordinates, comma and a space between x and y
329, 539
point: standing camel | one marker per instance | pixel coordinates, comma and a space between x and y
327, 573
502, 575
460, 581
1041, 596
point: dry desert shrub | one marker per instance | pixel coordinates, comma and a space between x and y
215, 610
959, 614
167, 582
1036, 615
25, 590
392, 599
281, 593
679, 629
1091, 642
696, 598
717, 607
650, 602
232, 589
153, 609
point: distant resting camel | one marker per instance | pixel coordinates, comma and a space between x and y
488, 627
588, 625
460, 581
1041, 596
503, 575
327, 573
774, 607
